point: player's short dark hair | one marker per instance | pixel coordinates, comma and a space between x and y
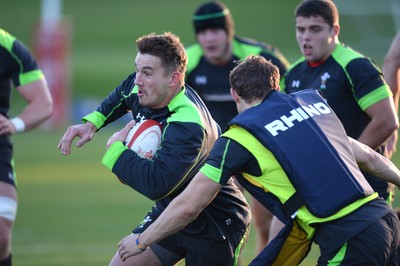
167, 47
254, 77
212, 15
324, 8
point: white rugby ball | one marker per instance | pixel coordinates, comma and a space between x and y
144, 138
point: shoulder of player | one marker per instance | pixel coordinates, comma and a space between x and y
194, 53
17, 59
6, 40
355, 64
344, 55
243, 47
17, 50
183, 107
193, 48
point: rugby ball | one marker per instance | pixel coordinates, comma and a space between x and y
144, 138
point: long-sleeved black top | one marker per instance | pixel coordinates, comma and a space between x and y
188, 134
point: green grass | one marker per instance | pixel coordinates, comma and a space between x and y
72, 210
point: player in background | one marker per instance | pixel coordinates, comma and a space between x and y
352, 84
213, 56
391, 73
352, 226
211, 59
156, 90
19, 70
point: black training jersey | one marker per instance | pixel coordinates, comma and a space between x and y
351, 83
348, 80
212, 81
188, 134
17, 67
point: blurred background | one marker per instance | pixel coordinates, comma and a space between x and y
72, 210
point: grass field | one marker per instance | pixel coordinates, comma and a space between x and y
72, 210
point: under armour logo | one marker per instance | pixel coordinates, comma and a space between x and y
201, 80
296, 83
228, 221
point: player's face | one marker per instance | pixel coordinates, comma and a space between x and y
153, 83
215, 44
316, 38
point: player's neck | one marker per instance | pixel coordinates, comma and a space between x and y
315, 63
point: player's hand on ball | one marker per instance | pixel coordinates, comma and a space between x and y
127, 247
120, 135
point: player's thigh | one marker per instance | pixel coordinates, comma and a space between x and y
7, 174
216, 252
145, 258
372, 246
165, 256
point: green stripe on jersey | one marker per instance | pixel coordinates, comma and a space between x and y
375, 96
28, 77
6, 40
112, 154
184, 110
344, 55
96, 118
242, 50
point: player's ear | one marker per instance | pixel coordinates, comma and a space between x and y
235, 95
336, 29
175, 78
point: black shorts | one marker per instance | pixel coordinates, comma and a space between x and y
377, 244
201, 251
6, 163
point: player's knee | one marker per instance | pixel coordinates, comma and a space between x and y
5, 236
5, 240
8, 210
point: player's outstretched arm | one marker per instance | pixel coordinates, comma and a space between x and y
391, 73
391, 68
372, 162
84, 131
181, 211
